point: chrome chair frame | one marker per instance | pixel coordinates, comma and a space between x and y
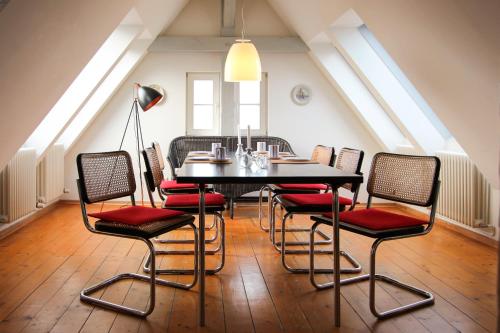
372, 276
152, 176
221, 247
271, 196
355, 190
152, 279
161, 164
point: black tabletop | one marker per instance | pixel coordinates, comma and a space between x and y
208, 173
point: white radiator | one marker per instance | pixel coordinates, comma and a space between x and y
465, 193
50, 176
18, 186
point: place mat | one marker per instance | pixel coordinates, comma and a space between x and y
209, 161
280, 161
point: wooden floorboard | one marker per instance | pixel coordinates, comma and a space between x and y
47, 263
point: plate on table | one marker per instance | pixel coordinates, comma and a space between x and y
295, 158
199, 152
199, 158
285, 153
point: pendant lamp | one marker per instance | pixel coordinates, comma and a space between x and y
242, 61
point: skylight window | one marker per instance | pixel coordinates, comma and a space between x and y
403, 80
103, 93
358, 96
81, 88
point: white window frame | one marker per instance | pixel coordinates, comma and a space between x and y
190, 78
263, 106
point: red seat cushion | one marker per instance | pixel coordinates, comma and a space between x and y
375, 219
184, 200
173, 185
315, 199
136, 215
316, 187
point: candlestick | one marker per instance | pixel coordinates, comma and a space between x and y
239, 134
249, 138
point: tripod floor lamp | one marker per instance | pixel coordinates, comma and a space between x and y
146, 97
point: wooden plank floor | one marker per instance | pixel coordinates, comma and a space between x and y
46, 264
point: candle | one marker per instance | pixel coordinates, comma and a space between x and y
239, 134
249, 138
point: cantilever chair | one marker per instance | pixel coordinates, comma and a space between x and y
401, 178
349, 160
321, 154
110, 175
170, 186
186, 202
167, 187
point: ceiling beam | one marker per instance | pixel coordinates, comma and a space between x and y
228, 18
264, 44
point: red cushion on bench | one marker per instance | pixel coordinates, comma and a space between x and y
173, 185
375, 219
136, 215
316, 187
315, 199
184, 200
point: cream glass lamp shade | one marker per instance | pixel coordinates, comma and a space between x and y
242, 62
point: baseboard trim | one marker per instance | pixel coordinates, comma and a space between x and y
9, 228
456, 228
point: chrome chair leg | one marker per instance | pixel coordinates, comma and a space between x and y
372, 277
85, 293
355, 269
428, 298
269, 194
221, 247
356, 266
189, 241
277, 244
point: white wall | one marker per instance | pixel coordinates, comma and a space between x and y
325, 120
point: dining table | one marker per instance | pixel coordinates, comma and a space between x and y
231, 172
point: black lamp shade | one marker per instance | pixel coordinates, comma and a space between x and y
148, 97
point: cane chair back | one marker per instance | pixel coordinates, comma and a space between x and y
350, 160
105, 176
154, 174
404, 178
159, 154
323, 155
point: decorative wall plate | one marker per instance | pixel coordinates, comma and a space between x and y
301, 94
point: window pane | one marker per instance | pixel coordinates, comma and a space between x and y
203, 116
203, 92
250, 115
250, 92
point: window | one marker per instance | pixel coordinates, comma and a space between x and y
252, 105
203, 96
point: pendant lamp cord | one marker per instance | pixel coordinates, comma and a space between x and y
243, 27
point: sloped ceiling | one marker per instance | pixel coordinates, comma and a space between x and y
448, 49
45, 44
52, 43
